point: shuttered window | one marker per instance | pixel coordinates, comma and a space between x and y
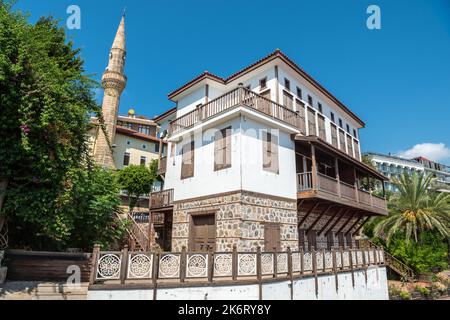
270, 152
272, 238
312, 122
187, 160
342, 141
222, 149
288, 100
350, 145
322, 133
334, 138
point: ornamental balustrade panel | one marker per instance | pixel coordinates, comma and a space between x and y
346, 259
267, 263
359, 258
246, 264
367, 256
140, 265
328, 260
197, 265
282, 263
371, 256
381, 256
223, 265
296, 262
338, 260
108, 266
308, 265
319, 260
169, 266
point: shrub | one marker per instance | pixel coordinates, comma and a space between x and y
405, 295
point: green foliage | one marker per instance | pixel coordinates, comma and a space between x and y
137, 181
423, 291
423, 256
415, 209
54, 198
405, 295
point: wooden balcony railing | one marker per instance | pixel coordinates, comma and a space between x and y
341, 189
118, 267
161, 199
234, 98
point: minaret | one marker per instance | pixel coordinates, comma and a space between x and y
113, 82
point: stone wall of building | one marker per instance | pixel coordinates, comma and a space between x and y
240, 219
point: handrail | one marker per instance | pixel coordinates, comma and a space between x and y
230, 100
136, 232
161, 199
395, 264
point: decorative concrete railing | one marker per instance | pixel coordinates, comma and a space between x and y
214, 267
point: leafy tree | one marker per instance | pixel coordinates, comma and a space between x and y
137, 181
415, 209
46, 101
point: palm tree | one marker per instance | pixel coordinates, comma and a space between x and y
414, 209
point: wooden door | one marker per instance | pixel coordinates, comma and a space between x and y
272, 237
203, 233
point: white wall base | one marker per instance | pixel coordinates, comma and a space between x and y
303, 289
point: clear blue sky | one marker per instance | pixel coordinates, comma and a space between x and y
396, 79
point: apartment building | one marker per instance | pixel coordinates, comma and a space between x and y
266, 157
393, 167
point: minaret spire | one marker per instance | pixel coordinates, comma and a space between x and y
113, 82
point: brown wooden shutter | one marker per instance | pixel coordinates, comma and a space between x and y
187, 160
270, 152
330, 240
342, 140
272, 238
334, 138
222, 149
312, 122
288, 100
322, 134
341, 240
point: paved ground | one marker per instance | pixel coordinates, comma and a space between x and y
33, 290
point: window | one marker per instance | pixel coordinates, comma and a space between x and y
263, 83
288, 100
187, 160
355, 134
157, 147
332, 116
272, 238
143, 160
319, 107
299, 93
144, 146
126, 159
270, 152
144, 129
222, 149
287, 84
128, 142
340, 122
310, 100
348, 128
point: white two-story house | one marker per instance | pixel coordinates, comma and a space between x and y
264, 158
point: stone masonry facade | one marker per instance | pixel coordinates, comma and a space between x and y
240, 218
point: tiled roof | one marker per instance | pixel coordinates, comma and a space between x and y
276, 54
135, 134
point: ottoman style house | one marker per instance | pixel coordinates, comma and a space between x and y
264, 158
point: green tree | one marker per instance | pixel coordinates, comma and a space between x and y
415, 209
46, 101
137, 181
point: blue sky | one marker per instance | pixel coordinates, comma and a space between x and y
396, 79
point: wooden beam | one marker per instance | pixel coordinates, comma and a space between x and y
337, 221
346, 223
362, 224
329, 221
318, 219
353, 225
308, 213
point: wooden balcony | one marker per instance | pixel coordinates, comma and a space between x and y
326, 174
237, 97
328, 188
161, 200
